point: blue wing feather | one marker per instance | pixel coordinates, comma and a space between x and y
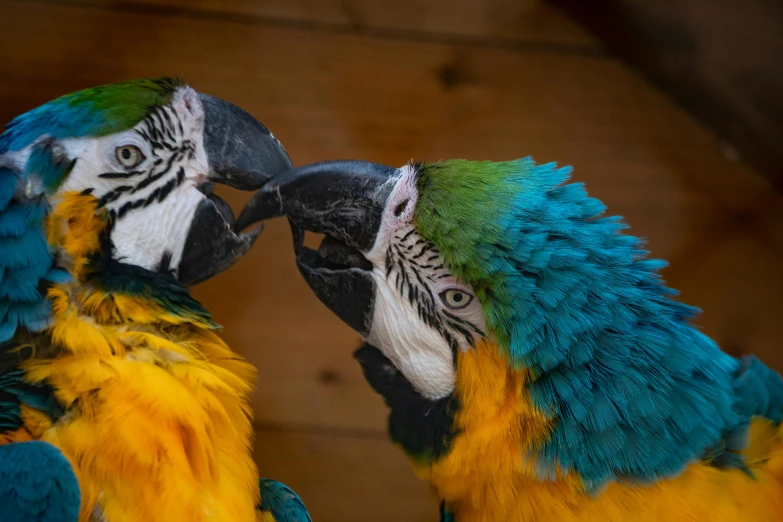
759, 390
37, 484
25, 260
281, 501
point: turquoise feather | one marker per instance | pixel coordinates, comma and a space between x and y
635, 390
25, 260
37, 483
281, 501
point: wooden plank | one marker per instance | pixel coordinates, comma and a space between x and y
721, 59
346, 479
493, 22
335, 95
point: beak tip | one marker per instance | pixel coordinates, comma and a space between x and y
251, 237
298, 234
263, 205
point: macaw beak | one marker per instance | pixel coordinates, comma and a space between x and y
243, 154
345, 200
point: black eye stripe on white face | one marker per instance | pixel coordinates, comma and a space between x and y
163, 131
414, 264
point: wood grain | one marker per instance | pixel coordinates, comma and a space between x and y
331, 94
346, 479
487, 22
721, 59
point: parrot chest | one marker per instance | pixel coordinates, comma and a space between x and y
489, 481
700, 494
156, 422
489, 473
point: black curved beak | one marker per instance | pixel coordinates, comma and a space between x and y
345, 200
243, 154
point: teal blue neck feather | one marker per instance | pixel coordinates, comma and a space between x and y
162, 288
636, 391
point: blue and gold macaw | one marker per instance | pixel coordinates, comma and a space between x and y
118, 401
535, 364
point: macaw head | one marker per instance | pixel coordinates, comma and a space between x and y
122, 175
501, 309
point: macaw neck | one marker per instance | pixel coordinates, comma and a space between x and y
635, 391
494, 471
107, 290
489, 408
496, 427
423, 427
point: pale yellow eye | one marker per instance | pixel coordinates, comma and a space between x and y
129, 156
455, 298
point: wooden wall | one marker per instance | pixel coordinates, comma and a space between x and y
388, 80
721, 59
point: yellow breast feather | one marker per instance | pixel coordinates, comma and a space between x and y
158, 420
487, 478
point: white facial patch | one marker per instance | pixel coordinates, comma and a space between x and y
147, 177
423, 315
142, 238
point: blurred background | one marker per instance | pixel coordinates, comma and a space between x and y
660, 106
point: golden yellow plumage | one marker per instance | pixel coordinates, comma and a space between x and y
107, 217
484, 478
158, 426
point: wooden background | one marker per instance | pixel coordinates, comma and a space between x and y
387, 80
721, 59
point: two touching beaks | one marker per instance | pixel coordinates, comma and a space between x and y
242, 154
345, 200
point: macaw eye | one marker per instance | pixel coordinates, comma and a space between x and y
456, 299
129, 156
